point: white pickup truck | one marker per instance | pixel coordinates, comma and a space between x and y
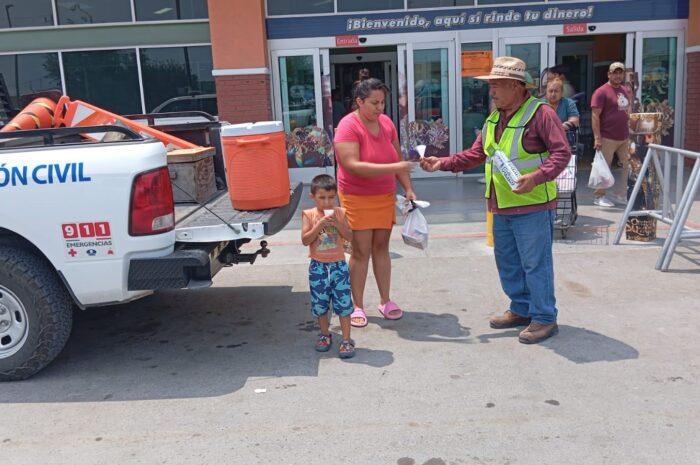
94, 223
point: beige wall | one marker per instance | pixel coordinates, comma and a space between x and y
694, 23
238, 35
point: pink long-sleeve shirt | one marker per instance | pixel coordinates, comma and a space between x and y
543, 133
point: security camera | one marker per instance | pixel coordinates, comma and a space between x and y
591, 28
363, 40
358, 57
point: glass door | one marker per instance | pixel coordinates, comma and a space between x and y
658, 62
537, 53
476, 59
431, 96
298, 77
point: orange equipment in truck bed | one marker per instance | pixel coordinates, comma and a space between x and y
78, 113
37, 115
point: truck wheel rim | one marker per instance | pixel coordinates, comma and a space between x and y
13, 323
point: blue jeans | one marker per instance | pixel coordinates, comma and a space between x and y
523, 249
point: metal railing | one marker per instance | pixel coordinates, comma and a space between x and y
685, 194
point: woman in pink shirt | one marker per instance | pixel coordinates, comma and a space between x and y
369, 163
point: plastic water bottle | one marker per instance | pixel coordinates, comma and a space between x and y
507, 168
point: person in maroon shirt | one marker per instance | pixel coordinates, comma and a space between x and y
523, 235
610, 105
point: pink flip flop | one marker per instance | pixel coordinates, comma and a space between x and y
359, 314
390, 310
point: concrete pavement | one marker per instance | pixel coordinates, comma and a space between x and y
228, 375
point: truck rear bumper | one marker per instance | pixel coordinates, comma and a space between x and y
205, 244
185, 268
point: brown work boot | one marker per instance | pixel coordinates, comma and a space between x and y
508, 320
537, 332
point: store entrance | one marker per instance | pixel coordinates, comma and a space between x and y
584, 61
347, 67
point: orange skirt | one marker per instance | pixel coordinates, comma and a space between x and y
369, 211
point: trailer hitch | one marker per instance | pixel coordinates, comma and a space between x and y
234, 257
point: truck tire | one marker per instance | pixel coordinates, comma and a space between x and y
36, 314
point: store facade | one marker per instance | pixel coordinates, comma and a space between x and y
297, 60
128, 56
429, 57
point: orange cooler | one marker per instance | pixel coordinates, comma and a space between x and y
256, 165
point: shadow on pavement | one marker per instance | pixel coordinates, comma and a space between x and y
589, 230
426, 327
582, 345
579, 345
175, 344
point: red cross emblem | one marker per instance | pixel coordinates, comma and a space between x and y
72, 252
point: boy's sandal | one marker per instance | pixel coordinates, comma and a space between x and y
346, 349
324, 342
358, 314
390, 310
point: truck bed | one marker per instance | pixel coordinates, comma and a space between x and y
219, 221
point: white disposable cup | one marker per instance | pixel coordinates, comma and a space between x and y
421, 150
328, 211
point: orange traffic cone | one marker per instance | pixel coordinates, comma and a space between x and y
38, 114
80, 114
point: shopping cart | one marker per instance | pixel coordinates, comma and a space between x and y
566, 212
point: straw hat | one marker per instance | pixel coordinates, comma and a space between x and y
509, 68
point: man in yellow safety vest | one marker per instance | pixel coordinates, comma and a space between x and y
524, 134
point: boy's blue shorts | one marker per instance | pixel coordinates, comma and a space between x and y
329, 283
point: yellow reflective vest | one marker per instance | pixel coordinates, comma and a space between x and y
511, 143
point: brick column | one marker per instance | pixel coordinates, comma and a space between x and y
692, 103
239, 50
244, 98
692, 82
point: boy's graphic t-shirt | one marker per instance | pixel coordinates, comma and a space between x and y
328, 246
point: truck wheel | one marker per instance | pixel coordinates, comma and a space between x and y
36, 314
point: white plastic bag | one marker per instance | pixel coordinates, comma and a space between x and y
601, 176
566, 181
405, 205
415, 230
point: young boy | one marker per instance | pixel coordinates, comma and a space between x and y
323, 229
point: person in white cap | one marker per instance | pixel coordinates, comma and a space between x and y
530, 135
610, 105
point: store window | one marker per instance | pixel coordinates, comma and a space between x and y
298, 7
659, 81
27, 75
93, 11
438, 3
369, 5
476, 60
106, 78
297, 91
178, 79
431, 101
530, 54
25, 13
167, 10
497, 2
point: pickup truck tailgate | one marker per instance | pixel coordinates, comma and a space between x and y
219, 221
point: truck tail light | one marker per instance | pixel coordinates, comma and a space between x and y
152, 207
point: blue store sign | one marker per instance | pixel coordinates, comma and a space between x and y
476, 18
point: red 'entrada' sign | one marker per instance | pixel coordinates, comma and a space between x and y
578, 28
345, 41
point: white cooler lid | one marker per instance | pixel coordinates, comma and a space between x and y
249, 129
